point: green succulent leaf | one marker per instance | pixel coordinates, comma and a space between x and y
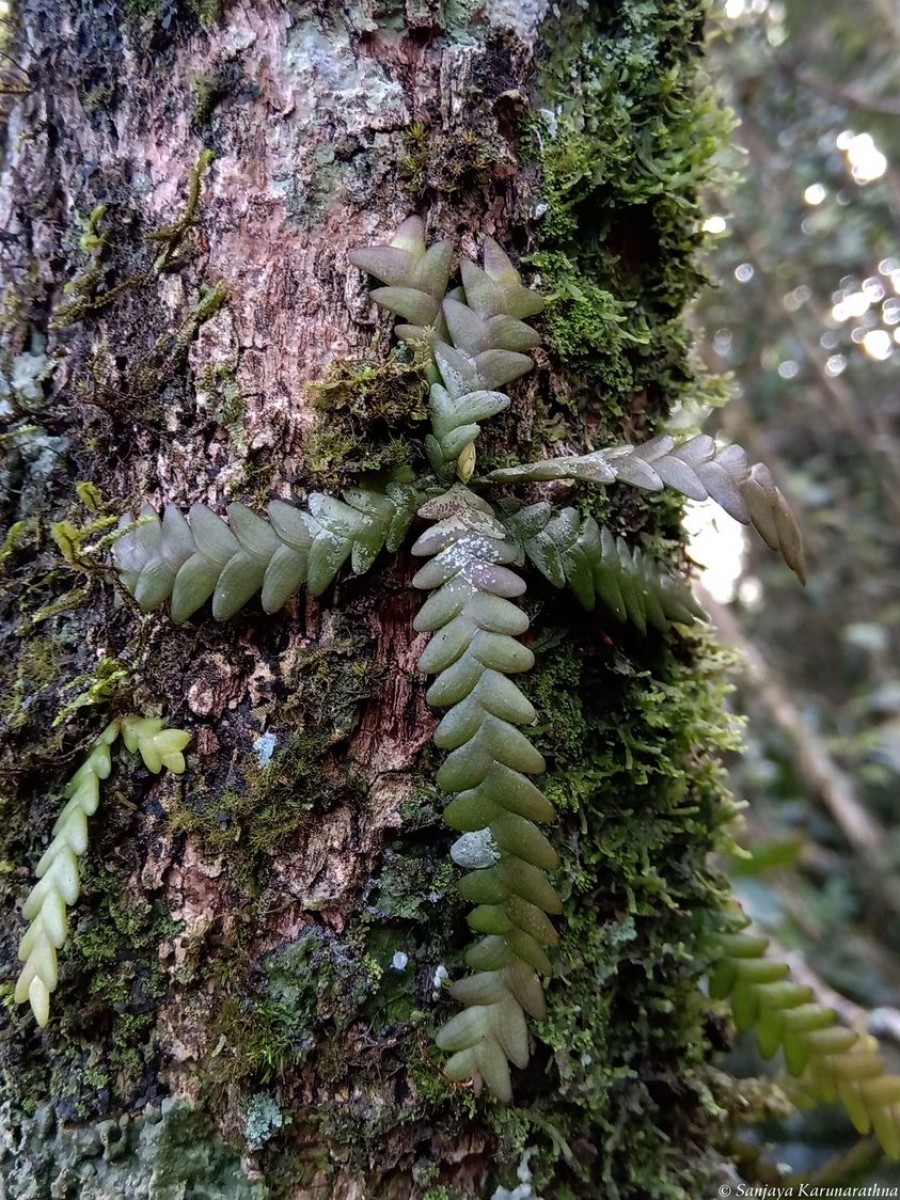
474, 628
192, 560
697, 468
58, 882
574, 551
476, 334
498, 288
834, 1062
410, 303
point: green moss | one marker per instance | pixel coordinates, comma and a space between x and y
551, 688
459, 163
369, 392
325, 453
632, 742
36, 670
99, 1052
332, 995
424, 806
206, 12
305, 997
98, 98
41, 654
435, 1093
210, 301
327, 683
256, 819
586, 321
92, 289
363, 405
89, 291
16, 536
105, 684
633, 140
324, 1003
253, 812
210, 88
253, 1045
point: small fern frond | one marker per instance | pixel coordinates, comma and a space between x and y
158, 746
456, 410
832, 1062
192, 559
416, 277
477, 334
498, 289
472, 651
697, 468
571, 550
57, 873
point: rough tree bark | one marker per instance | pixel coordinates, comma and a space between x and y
250, 982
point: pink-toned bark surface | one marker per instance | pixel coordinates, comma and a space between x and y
307, 132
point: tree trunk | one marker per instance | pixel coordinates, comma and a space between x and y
253, 974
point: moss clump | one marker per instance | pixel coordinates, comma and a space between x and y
363, 405
100, 1051
632, 747
206, 12
251, 813
36, 671
210, 88
373, 394
340, 999
633, 140
253, 820
451, 164
90, 290
305, 996
96, 689
594, 333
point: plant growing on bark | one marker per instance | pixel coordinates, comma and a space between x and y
58, 884
832, 1062
476, 340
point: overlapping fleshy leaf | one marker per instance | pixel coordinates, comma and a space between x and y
697, 468
473, 649
416, 277
194, 559
571, 550
833, 1062
477, 336
57, 873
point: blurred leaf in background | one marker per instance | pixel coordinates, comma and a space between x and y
806, 247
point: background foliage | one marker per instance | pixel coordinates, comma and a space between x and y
807, 316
